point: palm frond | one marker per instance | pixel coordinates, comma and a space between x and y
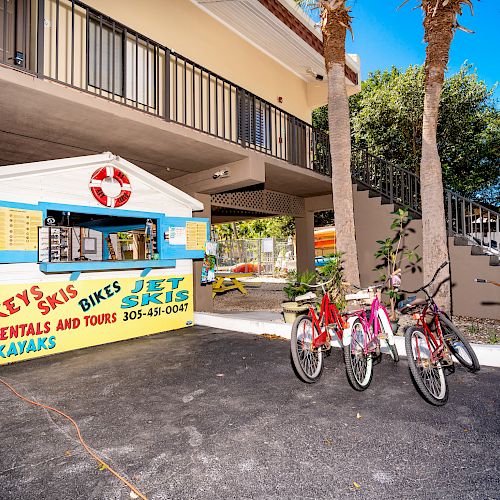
462, 28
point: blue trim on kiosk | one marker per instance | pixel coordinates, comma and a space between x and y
20, 256
112, 212
88, 265
179, 251
168, 253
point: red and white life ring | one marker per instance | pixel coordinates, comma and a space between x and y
96, 186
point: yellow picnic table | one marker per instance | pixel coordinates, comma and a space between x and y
218, 285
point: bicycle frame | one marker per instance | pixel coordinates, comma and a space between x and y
437, 340
436, 352
370, 325
328, 315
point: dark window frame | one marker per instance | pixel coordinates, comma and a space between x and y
124, 71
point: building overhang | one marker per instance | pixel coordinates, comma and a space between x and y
284, 32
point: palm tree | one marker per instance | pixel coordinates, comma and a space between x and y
440, 23
335, 21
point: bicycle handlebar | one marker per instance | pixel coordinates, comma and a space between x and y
444, 264
369, 287
375, 285
482, 280
298, 283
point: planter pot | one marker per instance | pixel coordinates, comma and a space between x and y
291, 310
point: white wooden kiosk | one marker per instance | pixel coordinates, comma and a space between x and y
92, 250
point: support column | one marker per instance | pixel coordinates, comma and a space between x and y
202, 293
304, 243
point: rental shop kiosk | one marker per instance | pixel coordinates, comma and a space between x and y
92, 250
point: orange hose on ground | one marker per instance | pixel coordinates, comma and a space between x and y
82, 441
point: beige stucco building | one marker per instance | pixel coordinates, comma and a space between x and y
212, 97
185, 89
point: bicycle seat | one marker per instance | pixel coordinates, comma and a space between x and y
353, 308
361, 295
307, 297
415, 302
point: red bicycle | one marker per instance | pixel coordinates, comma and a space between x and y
359, 333
312, 334
430, 345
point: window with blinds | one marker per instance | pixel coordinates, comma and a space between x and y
254, 121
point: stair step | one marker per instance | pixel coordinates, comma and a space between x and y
477, 250
461, 241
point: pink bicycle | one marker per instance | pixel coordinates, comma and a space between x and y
361, 340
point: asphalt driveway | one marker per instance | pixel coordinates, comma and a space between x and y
205, 413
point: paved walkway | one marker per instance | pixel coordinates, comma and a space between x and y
206, 414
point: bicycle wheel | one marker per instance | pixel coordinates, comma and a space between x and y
358, 365
386, 330
428, 376
308, 363
459, 345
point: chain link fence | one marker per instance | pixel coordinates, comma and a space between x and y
261, 256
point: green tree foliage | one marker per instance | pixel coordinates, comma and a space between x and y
386, 117
325, 218
273, 227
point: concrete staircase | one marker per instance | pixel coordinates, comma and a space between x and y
473, 233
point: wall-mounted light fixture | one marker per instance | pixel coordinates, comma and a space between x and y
313, 73
221, 174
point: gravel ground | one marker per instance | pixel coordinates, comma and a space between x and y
269, 296
266, 297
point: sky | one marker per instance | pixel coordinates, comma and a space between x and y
385, 36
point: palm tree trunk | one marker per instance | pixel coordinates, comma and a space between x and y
340, 146
439, 24
335, 20
435, 240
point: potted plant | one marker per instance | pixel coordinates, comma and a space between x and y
331, 271
393, 253
293, 289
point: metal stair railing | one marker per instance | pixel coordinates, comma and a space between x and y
398, 185
478, 224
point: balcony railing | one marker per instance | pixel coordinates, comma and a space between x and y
71, 43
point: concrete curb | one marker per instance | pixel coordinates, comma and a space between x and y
487, 354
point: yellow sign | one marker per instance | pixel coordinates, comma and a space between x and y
19, 228
47, 318
196, 235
